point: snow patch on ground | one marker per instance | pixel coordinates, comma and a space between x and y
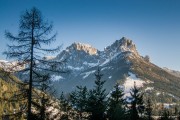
49, 57
129, 83
105, 62
167, 105
88, 73
158, 93
90, 64
108, 60
105, 68
148, 82
56, 77
75, 68
53, 112
149, 88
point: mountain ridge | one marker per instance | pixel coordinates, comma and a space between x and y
117, 62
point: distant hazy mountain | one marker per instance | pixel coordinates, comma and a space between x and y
11, 66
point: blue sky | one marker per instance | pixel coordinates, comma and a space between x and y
153, 25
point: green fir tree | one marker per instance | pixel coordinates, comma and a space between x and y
136, 105
78, 99
148, 110
116, 104
96, 99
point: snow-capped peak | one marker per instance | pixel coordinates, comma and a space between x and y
122, 45
84, 47
11, 66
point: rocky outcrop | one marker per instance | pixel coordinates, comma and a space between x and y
83, 47
123, 45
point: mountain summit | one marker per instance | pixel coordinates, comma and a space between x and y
122, 45
81, 56
82, 47
119, 63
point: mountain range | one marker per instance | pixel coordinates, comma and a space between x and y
119, 63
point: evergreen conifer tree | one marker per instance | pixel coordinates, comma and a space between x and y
96, 99
165, 115
148, 109
178, 116
136, 105
78, 100
116, 106
64, 107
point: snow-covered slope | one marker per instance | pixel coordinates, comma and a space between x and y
130, 81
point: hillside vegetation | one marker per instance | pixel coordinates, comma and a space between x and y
157, 77
8, 89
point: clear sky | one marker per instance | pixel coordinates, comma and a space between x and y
153, 25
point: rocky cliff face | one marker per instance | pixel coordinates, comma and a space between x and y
122, 45
79, 57
83, 56
83, 47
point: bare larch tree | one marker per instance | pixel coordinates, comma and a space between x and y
29, 47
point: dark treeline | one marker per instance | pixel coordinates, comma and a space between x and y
96, 104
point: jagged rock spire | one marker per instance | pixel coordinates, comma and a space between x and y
84, 47
122, 45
